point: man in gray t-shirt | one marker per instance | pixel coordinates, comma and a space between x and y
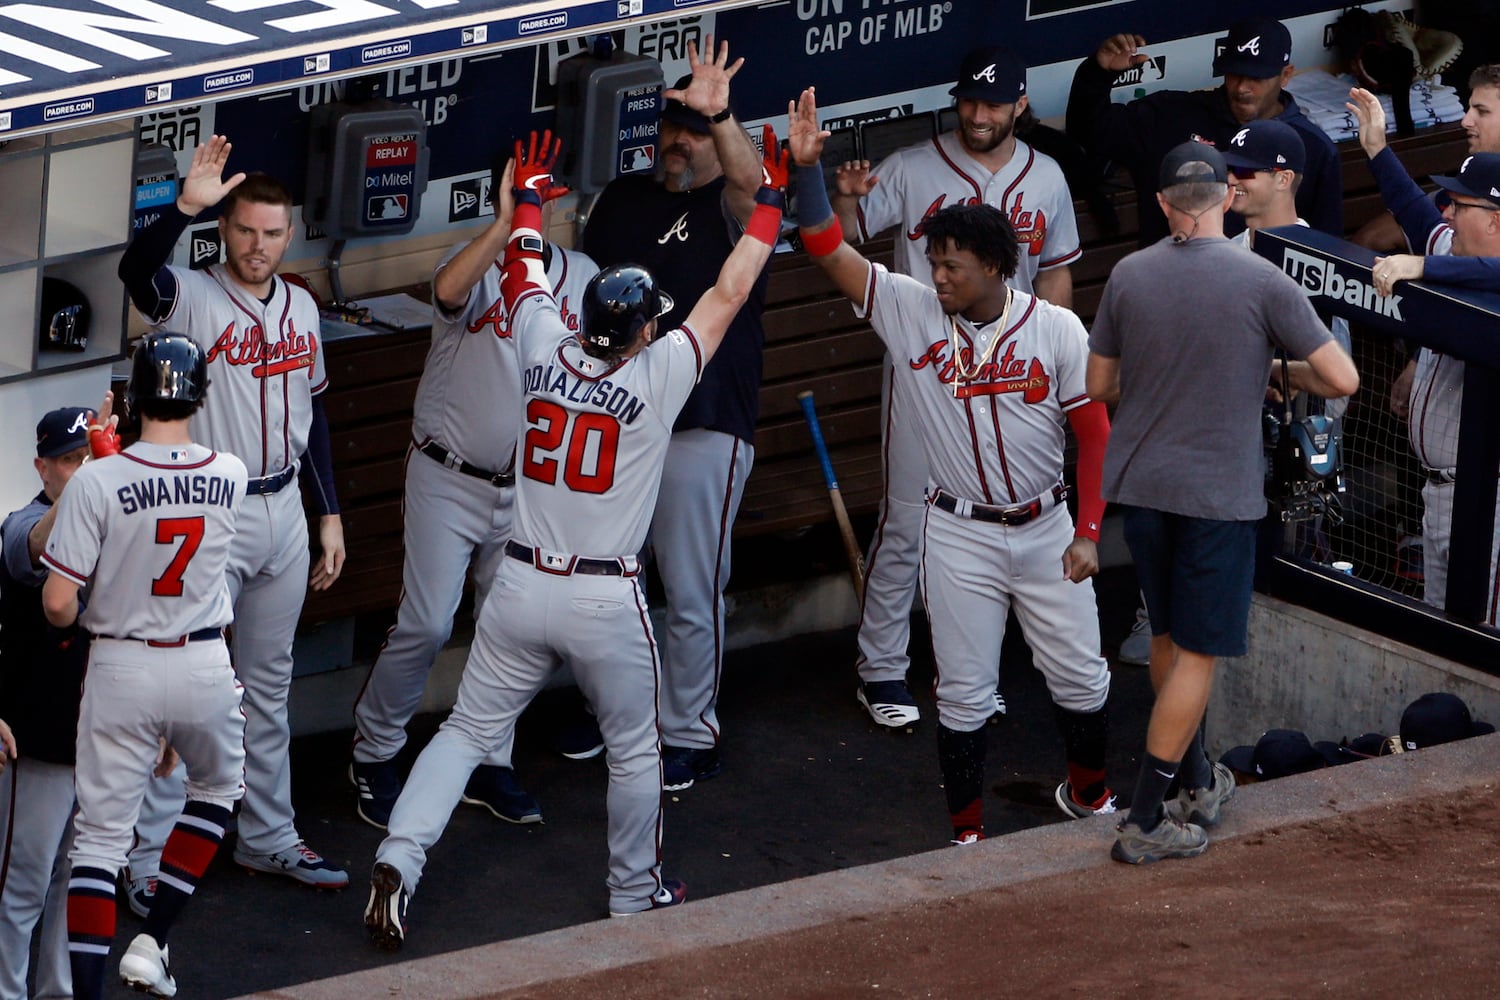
1194, 318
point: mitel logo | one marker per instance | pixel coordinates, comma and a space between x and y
158, 93
203, 248
68, 109
316, 64
387, 50
1318, 276
227, 81
546, 22
477, 35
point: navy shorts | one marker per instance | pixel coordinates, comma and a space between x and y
1196, 575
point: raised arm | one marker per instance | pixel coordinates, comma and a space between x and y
708, 94
1093, 121
822, 233
715, 309
455, 281
1415, 212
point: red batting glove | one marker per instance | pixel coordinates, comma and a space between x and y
533, 178
775, 166
104, 441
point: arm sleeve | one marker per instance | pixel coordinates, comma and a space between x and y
1468, 272
143, 266
317, 471
1094, 121
1091, 427
1415, 212
17, 546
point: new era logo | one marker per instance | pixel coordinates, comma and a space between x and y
463, 201
158, 93
203, 248
316, 64
477, 35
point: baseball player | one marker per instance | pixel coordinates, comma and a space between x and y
980, 162
1461, 246
599, 405
41, 677
682, 226
261, 337
992, 373
460, 478
152, 527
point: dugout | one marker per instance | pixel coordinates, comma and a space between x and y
85, 84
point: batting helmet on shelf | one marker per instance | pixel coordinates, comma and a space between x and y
65, 317
166, 366
617, 303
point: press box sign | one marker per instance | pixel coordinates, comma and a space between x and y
390, 178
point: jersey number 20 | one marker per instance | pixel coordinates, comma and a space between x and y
593, 439
168, 530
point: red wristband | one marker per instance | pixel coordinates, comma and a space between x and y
825, 241
765, 224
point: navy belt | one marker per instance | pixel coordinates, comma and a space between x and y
438, 453
1439, 477
202, 635
266, 485
1009, 516
568, 565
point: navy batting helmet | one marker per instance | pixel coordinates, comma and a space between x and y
167, 366
617, 303
65, 316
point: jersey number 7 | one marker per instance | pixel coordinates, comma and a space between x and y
168, 530
592, 442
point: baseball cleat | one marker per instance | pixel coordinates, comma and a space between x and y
496, 789
1203, 806
385, 913
1171, 838
1078, 810
671, 893
963, 838
999, 711
379, 786
143, 967
682, 766
139, 891
298, 862
889, 703
580, 741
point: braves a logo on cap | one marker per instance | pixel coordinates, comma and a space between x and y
1252, 46
1239, 137
80, 422
987, 74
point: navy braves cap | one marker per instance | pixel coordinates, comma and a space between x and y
1266, 144
991, 74
1438, 717
1257, 47
1277, 753
680, 114
61, 431
1479, 177
1192, 162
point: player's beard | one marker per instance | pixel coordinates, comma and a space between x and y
685, 177
997, 136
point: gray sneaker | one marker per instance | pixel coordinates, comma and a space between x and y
1170, 838
1136, 649
1203, 805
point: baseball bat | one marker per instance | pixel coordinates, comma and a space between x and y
852, 551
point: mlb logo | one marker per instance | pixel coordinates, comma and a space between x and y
158, 93
386, 207
637, 159
204, 248
477, 35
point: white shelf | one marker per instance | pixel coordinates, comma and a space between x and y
21, 211
18, 294
89, 191
83, 133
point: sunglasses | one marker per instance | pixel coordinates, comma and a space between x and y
1473, 204
1245, 173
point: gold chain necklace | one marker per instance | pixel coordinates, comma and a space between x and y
970, 374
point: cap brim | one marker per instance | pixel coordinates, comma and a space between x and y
964, 92
1483, 729
1236, 160
1239, 759
1240, 66
680, 114
1454, 185
1335, 754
